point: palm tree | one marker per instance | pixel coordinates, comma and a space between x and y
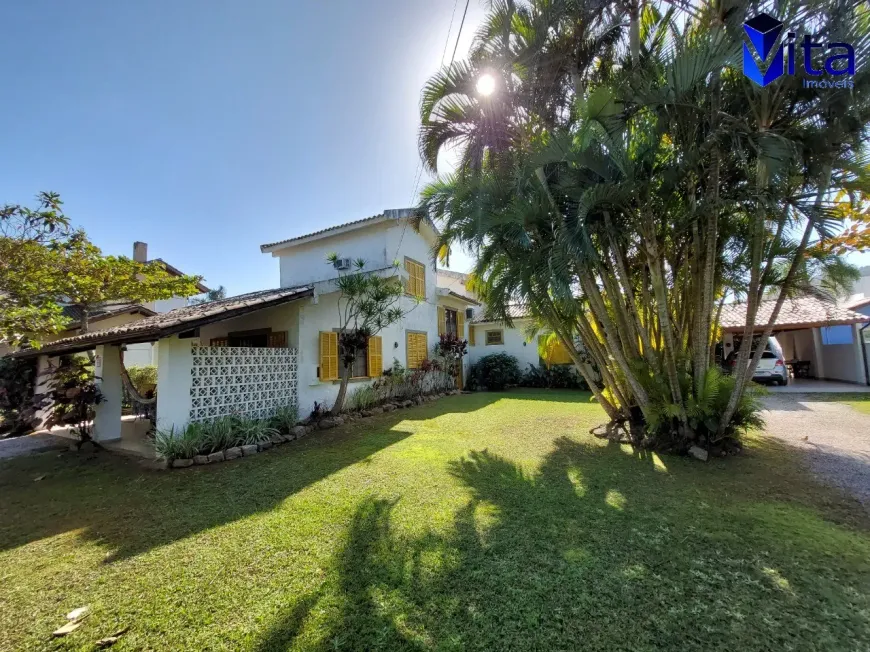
622, 193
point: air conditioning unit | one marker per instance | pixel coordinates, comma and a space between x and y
469, 313
342, 264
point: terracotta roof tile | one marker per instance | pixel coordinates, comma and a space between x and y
175, 321
800, 312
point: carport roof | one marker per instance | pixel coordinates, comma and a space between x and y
174, 321
797, 313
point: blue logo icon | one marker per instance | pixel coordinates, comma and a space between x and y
763, 32
765, 62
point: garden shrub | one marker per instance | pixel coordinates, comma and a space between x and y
400, 384
562, 376
144, 378
204, 437
74, 395
495, 372
17, 384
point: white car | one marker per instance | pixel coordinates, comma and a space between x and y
771, 368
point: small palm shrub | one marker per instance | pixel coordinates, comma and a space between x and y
253, 431
175, 444
218, 435
201, 438
495, 372
285, 418
364, 398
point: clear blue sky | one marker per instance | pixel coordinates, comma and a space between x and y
209, 127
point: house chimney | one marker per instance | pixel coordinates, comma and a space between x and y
140, 252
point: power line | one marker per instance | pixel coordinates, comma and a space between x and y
419, 172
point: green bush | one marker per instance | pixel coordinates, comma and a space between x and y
495, 372
363, 398
175, 444
17, 384
285, 418
562, 376
203, 437
144, 378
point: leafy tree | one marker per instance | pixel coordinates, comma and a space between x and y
28, 239
367, 304
44, 264
621, 187
212, 295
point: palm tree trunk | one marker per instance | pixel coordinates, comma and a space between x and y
746, 376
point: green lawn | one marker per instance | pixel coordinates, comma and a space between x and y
860, 402
489, 521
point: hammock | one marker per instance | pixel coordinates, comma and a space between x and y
125, 378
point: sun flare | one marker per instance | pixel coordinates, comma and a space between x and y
486, 84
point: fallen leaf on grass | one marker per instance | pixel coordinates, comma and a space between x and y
111, 640
66, 629
75, 614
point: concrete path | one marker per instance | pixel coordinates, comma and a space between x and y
37, 443
835, 438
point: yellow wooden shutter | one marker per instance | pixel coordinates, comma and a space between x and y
442, 320
416, 283
220, 341
471, 335
328, 355
376, 357
409, 282
421, 290
460, 324
560, 354
278, 340
416, 349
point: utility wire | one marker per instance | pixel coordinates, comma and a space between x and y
419, 173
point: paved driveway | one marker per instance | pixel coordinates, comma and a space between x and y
835, 438
16, 446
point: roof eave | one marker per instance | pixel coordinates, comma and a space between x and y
156, 333
320, 235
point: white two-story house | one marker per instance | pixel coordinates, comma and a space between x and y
253, 353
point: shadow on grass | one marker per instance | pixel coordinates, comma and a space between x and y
599, 550
116, 503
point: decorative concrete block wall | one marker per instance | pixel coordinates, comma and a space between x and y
252, 382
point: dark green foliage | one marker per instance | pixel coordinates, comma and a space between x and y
17, 383
494, 372
74, 394
557, 376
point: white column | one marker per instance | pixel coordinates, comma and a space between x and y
174, 362
107, 372
858, 349
818, 349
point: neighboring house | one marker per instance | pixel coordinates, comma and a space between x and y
118, 313
487, 336
826, 337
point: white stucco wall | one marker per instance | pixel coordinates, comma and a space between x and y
515, 344
306, 263
165, 305
844, 361
138, 355
799, 345
173, 382
379, 246
279, 318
